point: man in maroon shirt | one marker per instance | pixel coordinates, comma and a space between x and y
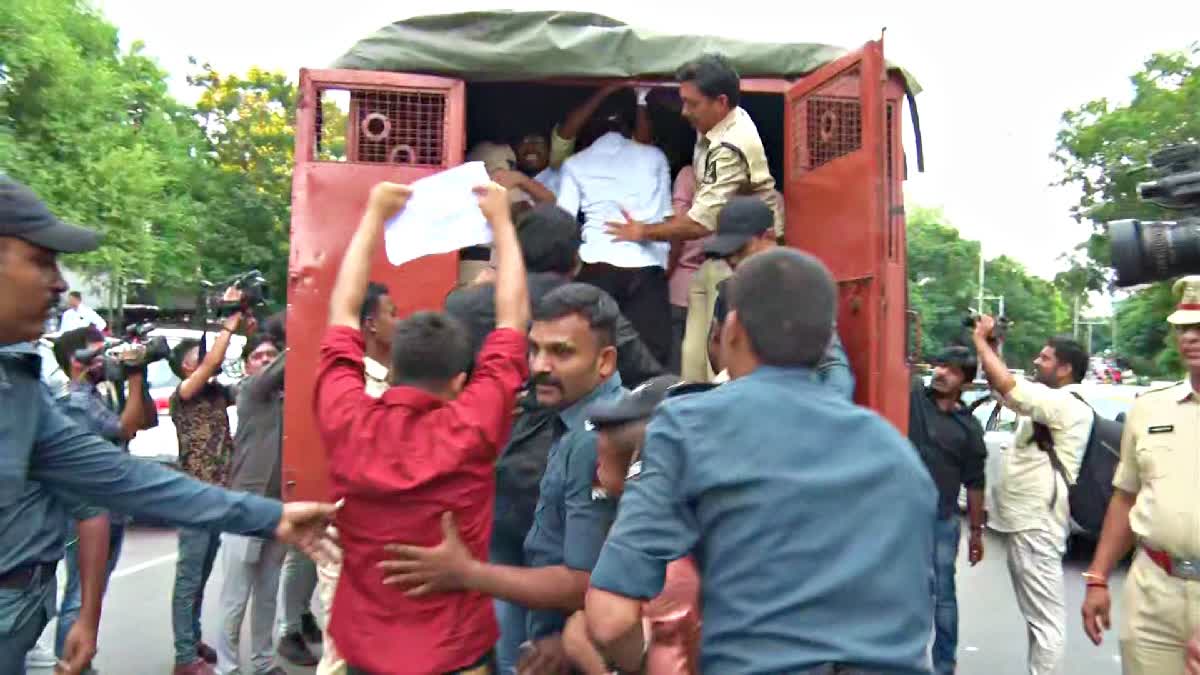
426, 448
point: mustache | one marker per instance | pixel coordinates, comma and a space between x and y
545, 380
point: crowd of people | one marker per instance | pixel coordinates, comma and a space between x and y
626, 444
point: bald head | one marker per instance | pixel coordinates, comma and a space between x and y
785, 301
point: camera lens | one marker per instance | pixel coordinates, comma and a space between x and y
1145, 252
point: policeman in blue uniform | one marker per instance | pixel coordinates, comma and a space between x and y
49, 465
811, 519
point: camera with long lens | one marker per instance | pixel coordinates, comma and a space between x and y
1155, 250
133, 352
253, 287
999, 331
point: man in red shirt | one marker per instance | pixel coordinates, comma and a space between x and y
427, 447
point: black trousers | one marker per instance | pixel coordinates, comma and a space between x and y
644, 298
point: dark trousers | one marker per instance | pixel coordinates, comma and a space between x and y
643, 296
488, 662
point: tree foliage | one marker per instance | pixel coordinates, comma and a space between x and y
1103, 148
943, 284
181, 193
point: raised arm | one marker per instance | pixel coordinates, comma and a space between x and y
512, 291
211, 365
578, 118
997, 374
385, 201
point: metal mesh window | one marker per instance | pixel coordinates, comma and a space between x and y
828, 123
384, 126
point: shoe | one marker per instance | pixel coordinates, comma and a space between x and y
207, 653
309, 629
197, 667
40, 657
294, 650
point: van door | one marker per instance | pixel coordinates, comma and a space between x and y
353, 130
843, 175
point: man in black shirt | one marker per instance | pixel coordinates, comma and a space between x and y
950, 441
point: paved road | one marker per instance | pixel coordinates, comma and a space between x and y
135, 634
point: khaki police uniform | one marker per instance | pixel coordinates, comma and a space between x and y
729, 160
1160, 465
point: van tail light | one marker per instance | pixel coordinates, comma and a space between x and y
162, 405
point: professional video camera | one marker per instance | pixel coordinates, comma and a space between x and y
136, 350
253, 287
1152, 251
1003, 323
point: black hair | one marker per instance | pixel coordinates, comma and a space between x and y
786, 301
72, 341
616, 113
370, 305
178, 353
1067, 350
549, 238
958, 356
713, 75
276, 326
76, 294
429, 349
259, 339
589, 302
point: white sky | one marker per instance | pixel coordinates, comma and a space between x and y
994, 85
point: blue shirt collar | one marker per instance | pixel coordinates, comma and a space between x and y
574, 415
779, 372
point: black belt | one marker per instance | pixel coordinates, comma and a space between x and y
21, 577
477, 253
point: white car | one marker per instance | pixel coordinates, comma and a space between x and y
1112, 401
160, 443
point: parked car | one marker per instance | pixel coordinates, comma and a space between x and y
1000, 424
160, 443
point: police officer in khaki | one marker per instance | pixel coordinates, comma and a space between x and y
729, 160
1156, 507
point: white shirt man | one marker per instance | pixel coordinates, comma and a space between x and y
79, 315
612, 174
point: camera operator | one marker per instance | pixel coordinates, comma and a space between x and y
252, 565
199, 411
1030, 495
86, 406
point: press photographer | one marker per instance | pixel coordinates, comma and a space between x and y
1153, 251
199, 411
80, 353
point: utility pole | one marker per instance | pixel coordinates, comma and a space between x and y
979, 304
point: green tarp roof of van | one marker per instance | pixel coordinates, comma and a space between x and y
508, 45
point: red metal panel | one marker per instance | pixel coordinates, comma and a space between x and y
327, 200
836, 183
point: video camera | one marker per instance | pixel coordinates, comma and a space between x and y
253, 286
1003, 323
133, 352
1155, 250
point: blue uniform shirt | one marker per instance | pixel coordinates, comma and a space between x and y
810, 518
41, 444
571, 520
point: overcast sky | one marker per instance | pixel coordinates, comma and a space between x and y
996, 78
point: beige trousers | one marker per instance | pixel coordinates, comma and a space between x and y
702, 295
1035, 565
331, 662
1159, 614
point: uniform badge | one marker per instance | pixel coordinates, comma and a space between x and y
1162, 429
710, 172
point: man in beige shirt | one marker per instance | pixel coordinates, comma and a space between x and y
1156, 505
378, 320
1031, 509
729, 160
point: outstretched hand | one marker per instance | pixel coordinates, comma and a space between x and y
434, 569
630, 230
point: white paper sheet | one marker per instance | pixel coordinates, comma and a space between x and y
442, 215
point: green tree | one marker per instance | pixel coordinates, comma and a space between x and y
93, 131
942, 278
1103, 148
